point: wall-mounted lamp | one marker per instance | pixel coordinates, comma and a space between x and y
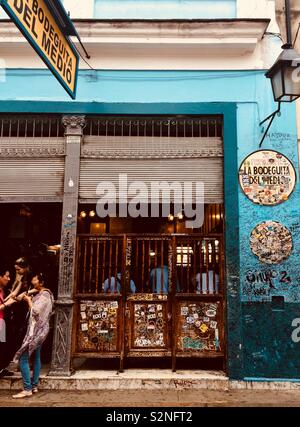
83, 214
284, 73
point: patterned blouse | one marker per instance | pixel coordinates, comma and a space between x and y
38, 325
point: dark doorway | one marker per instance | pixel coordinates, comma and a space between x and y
33, 231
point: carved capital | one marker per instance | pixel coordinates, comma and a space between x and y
74, 125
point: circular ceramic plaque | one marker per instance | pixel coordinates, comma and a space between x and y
271, 242
267, 177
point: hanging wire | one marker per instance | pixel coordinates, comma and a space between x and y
81, 56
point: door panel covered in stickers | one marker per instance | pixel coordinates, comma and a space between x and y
150, 296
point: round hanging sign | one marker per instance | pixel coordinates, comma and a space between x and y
267, 177
271, 242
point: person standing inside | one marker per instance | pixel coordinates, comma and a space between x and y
208, 281
40, 307
113, 286
159, 278
22, 278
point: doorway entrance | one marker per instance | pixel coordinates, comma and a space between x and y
152, 295
150, 288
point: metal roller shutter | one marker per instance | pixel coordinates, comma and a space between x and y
31, 178
31, 170
149, 159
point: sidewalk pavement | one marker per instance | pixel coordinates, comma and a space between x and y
150, 398
150, 388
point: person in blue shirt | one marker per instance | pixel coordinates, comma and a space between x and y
159, 280
112, 287
207, 288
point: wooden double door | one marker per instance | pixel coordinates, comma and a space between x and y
149, 296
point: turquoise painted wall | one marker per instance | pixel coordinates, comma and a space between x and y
143, 87
269, 347
259, 333
164, 9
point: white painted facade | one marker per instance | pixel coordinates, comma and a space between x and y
240, 44
80, 9
255, 9
178, 46
295, 18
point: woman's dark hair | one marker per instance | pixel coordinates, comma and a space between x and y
3, 270
40, 277
22, 263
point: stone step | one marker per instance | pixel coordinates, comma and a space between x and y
129, 380
135, 379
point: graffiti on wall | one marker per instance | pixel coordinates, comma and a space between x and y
199, 327
67, 254
98, 323
271, 242
267, 177
282, 137
262, 282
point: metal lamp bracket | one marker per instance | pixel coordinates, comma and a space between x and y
271, 117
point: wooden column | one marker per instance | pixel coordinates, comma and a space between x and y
62, 343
